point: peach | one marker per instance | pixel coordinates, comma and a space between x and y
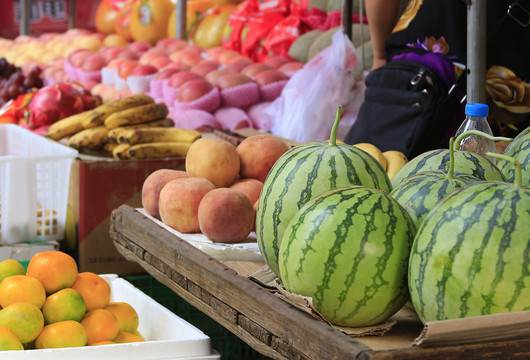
78, 57
176, 80
258, 153
125, 69
214, 159
190, 58
270, 76
255, 68
160, 62
205, 67
238, 63
149, 56
291, 67
127, 54
152, 186
139, 46
179, 203
93, 63
166, 73
214, 52
171, 42
231, 80
193, 90
276, 61
250, 187
110, 53
224, 56
142, 70
226, 215
212, 76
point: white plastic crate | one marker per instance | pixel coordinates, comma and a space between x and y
34, 179
167, 336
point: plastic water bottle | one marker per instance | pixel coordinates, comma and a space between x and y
476, 119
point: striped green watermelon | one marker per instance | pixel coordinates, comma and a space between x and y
471, 255
419, 193
519, 149
465, 162
348, 250
302, 173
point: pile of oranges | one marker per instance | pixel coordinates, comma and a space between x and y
52, 305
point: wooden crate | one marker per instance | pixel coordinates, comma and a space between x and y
265, 322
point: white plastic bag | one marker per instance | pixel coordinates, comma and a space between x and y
305, 111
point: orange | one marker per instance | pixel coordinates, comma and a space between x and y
11, 267
61, 334
95, 290
100, 325
18, 288
126, 315
106, 342
126, 337
8, 340
24, 319
65, 304
56, 270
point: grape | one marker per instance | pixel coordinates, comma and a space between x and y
12, 90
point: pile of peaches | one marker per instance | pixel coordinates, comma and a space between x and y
218, 193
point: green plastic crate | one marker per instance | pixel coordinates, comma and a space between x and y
227, 344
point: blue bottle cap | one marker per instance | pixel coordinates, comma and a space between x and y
476, 109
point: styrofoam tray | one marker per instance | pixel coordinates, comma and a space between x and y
244, 251
167, 336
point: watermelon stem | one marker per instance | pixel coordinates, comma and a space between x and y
333, 135
479, 133
518, 180
451, 170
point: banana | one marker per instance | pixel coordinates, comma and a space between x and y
158, 150
89, 139
374, 151
108, 147
97, 116
157, 134
165, 123
137, 115
67, 126
395, 161
120, 152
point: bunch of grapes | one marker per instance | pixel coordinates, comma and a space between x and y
13, 82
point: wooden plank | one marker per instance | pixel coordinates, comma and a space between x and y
312, 338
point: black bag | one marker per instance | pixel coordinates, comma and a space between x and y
407, 107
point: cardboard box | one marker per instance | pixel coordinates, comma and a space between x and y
23, 252
98, 186
167, 335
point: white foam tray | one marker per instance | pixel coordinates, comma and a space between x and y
167, 336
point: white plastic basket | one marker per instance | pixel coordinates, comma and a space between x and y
34, 180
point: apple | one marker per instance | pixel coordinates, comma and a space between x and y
78, 57
142, 70
160, 62
139, 46
212, 76
276, 61
205, 67
254, 69
93, 63
231, 80
270, 76
166, 73
125, 69
176, 80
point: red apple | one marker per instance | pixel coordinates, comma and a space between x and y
193, 90
176, 80
166, 73
203, 68
270, 76
230, 80
142, 70
93, 63
254, 69
78, 57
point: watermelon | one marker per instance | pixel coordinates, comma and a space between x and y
471, 255
348, 250
519, 149
465, 162
302, 173
419, 193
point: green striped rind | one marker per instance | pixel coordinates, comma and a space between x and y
465, 162
519, 149
348, 250
471, 255
419, 193
302, 173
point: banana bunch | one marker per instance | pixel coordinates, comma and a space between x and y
391, 160
130, 128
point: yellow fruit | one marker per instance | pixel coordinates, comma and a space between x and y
8, 340
395, 161
95, 290
20, 288
11, 267
62, 334
209, 31
126, 337
100, 325
65, 304
126, 315
374, 151
56, 270
149, 19
24, 319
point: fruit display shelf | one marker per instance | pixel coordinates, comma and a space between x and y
279, 330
